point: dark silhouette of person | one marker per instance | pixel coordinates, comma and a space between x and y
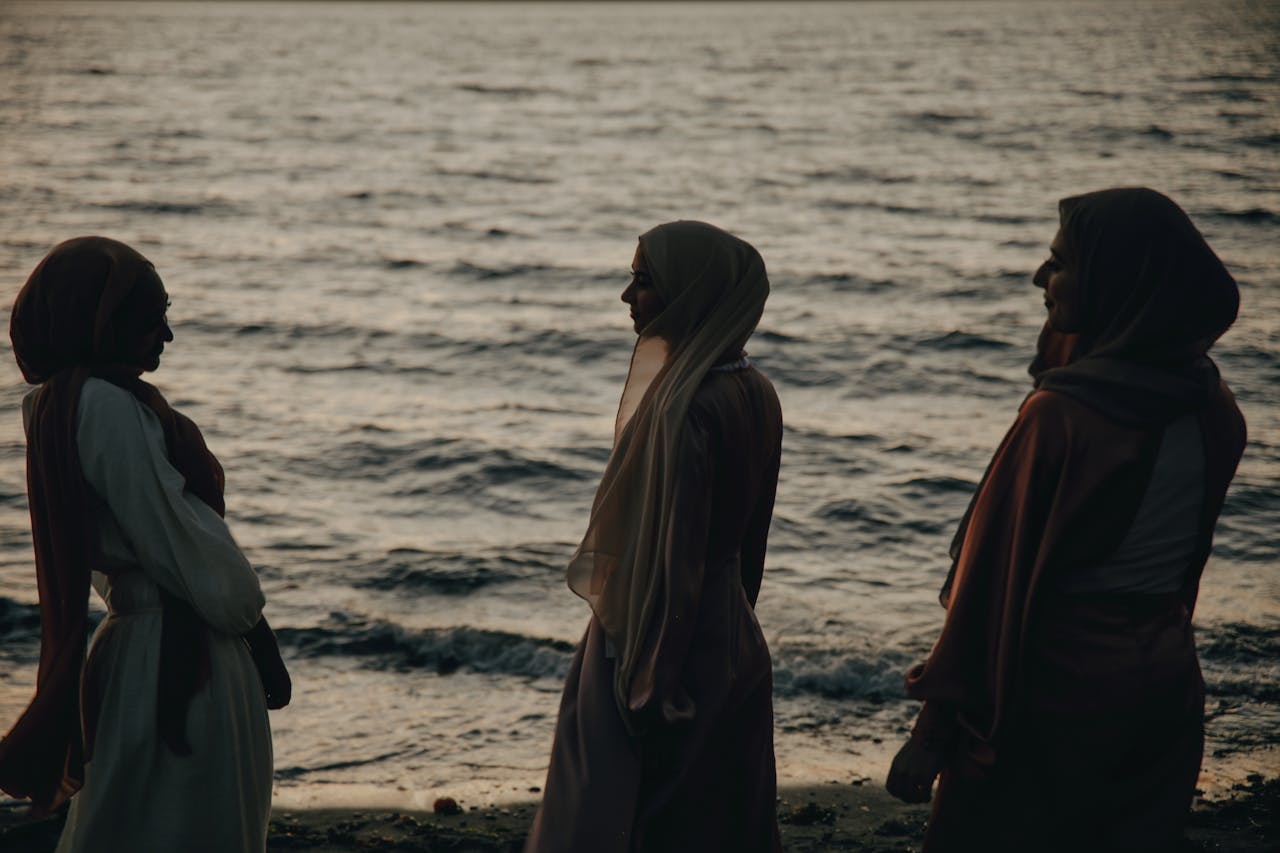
160, 738
1063, 702
664, 740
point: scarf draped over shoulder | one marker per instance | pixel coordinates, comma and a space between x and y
1068, 478
714, 288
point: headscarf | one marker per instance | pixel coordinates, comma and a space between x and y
714, 286
82, 313
1155, 298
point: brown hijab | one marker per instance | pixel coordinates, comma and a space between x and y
83, 312
714, 286
1155, 299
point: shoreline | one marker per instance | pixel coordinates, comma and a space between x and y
860, 816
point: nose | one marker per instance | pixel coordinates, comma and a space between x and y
166, 333
629, 294
1041, 278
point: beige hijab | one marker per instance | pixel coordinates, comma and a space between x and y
714, 286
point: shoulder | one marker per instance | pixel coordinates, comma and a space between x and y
725, 401
1055, 413
1047, 426
106, 411
100, 398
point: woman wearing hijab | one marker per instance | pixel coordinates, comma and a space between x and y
1063, 702
664, 740
163, 731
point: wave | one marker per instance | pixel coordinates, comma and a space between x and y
177, 208
879, 523
1265, 140
493, 175
939, 117
387, 646
840, 674
959, 341
897, 209
466, 269
20, 630
797, 670
1006, 219
18, 622
844, 282
1240, 643
402, 264
1252, 499
460, 572
1251, 216
502, 91
939, 485
857, 175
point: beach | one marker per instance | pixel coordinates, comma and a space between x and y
832, 818
394, 236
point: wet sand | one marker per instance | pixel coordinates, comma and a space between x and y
850, 817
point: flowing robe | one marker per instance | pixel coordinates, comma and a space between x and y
1076, 722
700, 776
153, 535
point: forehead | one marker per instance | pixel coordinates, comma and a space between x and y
148, 289
1059, 242
639, 261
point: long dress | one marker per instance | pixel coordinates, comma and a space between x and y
706, 782
138, 795
1066, 676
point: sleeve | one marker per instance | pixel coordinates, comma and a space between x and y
656, 690
756, 537
180, 542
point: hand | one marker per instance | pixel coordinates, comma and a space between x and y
265, 652
276, 683
913, 771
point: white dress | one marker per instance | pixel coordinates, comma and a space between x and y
138, 795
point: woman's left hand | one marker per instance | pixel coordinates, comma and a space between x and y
276, 683
913, 771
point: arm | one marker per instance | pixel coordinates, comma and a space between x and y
180, 543
925, 754
756, 537
276, 683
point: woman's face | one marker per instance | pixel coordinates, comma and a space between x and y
149, 330
641, 295
1061, 289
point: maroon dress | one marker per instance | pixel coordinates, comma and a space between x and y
706, 781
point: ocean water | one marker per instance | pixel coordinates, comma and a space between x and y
395, 235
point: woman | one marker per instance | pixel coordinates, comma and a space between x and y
163, 731
1063, 702
665, 736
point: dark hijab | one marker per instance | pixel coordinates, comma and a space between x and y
92, 307
1155, 298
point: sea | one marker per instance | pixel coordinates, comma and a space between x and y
395, 235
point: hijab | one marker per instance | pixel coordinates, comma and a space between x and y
1155, 298
89, 309
714, 288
